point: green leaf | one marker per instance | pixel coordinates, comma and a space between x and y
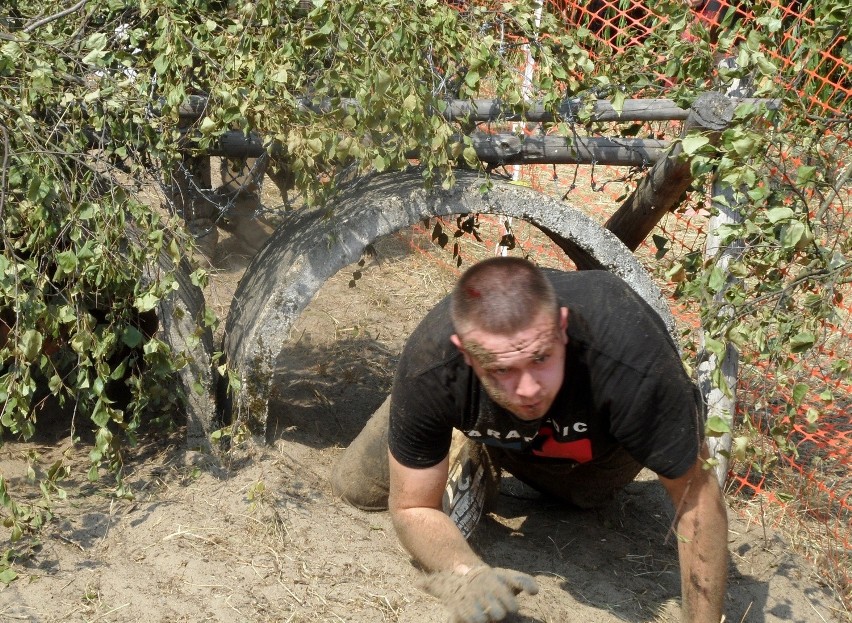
472, 79
470, 156
800, 390
66, 314
739, 448
692, 143
739, 336
95, 57
754, 40
717, 279
67, 261
31, 343
714, 346
119, 371
54, 384
618, 101
410, 103
100, 415
794, 234
812, 416
802, 341
744, 145
207, 125
96, 41
380, 163
315, 146
382, 81
804, 174
766, 66
198, 277
280, 75
146, 302
161, 64
717, 426
780, 214
7, 576
174, 251
676, 272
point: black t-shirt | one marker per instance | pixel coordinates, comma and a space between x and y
624, 385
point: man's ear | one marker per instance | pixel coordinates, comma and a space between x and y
563, 324
458, 344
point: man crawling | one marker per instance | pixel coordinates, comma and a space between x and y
567, 380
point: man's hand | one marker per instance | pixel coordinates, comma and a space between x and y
472, 591
481, 595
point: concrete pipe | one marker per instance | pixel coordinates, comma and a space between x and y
310, 246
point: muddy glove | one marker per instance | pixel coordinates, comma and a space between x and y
483, 594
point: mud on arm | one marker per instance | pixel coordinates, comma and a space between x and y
701, 528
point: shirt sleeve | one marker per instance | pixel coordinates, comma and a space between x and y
421, 425
427, 390
656, 414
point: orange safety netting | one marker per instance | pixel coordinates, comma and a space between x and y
820, 78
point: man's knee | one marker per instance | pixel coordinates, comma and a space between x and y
361, 476
360, 483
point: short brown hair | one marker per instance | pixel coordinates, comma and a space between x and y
500, 295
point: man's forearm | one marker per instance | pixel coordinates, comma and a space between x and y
702, 532
428, 534
701, 528
434, 541
702, 549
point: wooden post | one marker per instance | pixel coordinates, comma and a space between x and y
190, 179
663, 187
726, 211
718, 403
500, 149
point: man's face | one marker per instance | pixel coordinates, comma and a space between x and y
522, 372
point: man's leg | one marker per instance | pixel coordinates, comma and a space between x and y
586, 485
361, 475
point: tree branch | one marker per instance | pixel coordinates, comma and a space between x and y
3, 167
55, 16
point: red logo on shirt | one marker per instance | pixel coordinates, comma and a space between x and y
546, 444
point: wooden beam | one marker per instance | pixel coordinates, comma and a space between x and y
491, 110
483, 110
500, 149
662, 189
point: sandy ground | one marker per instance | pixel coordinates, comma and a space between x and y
255, 535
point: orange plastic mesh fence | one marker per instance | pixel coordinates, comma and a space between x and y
812, 497
820, 78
